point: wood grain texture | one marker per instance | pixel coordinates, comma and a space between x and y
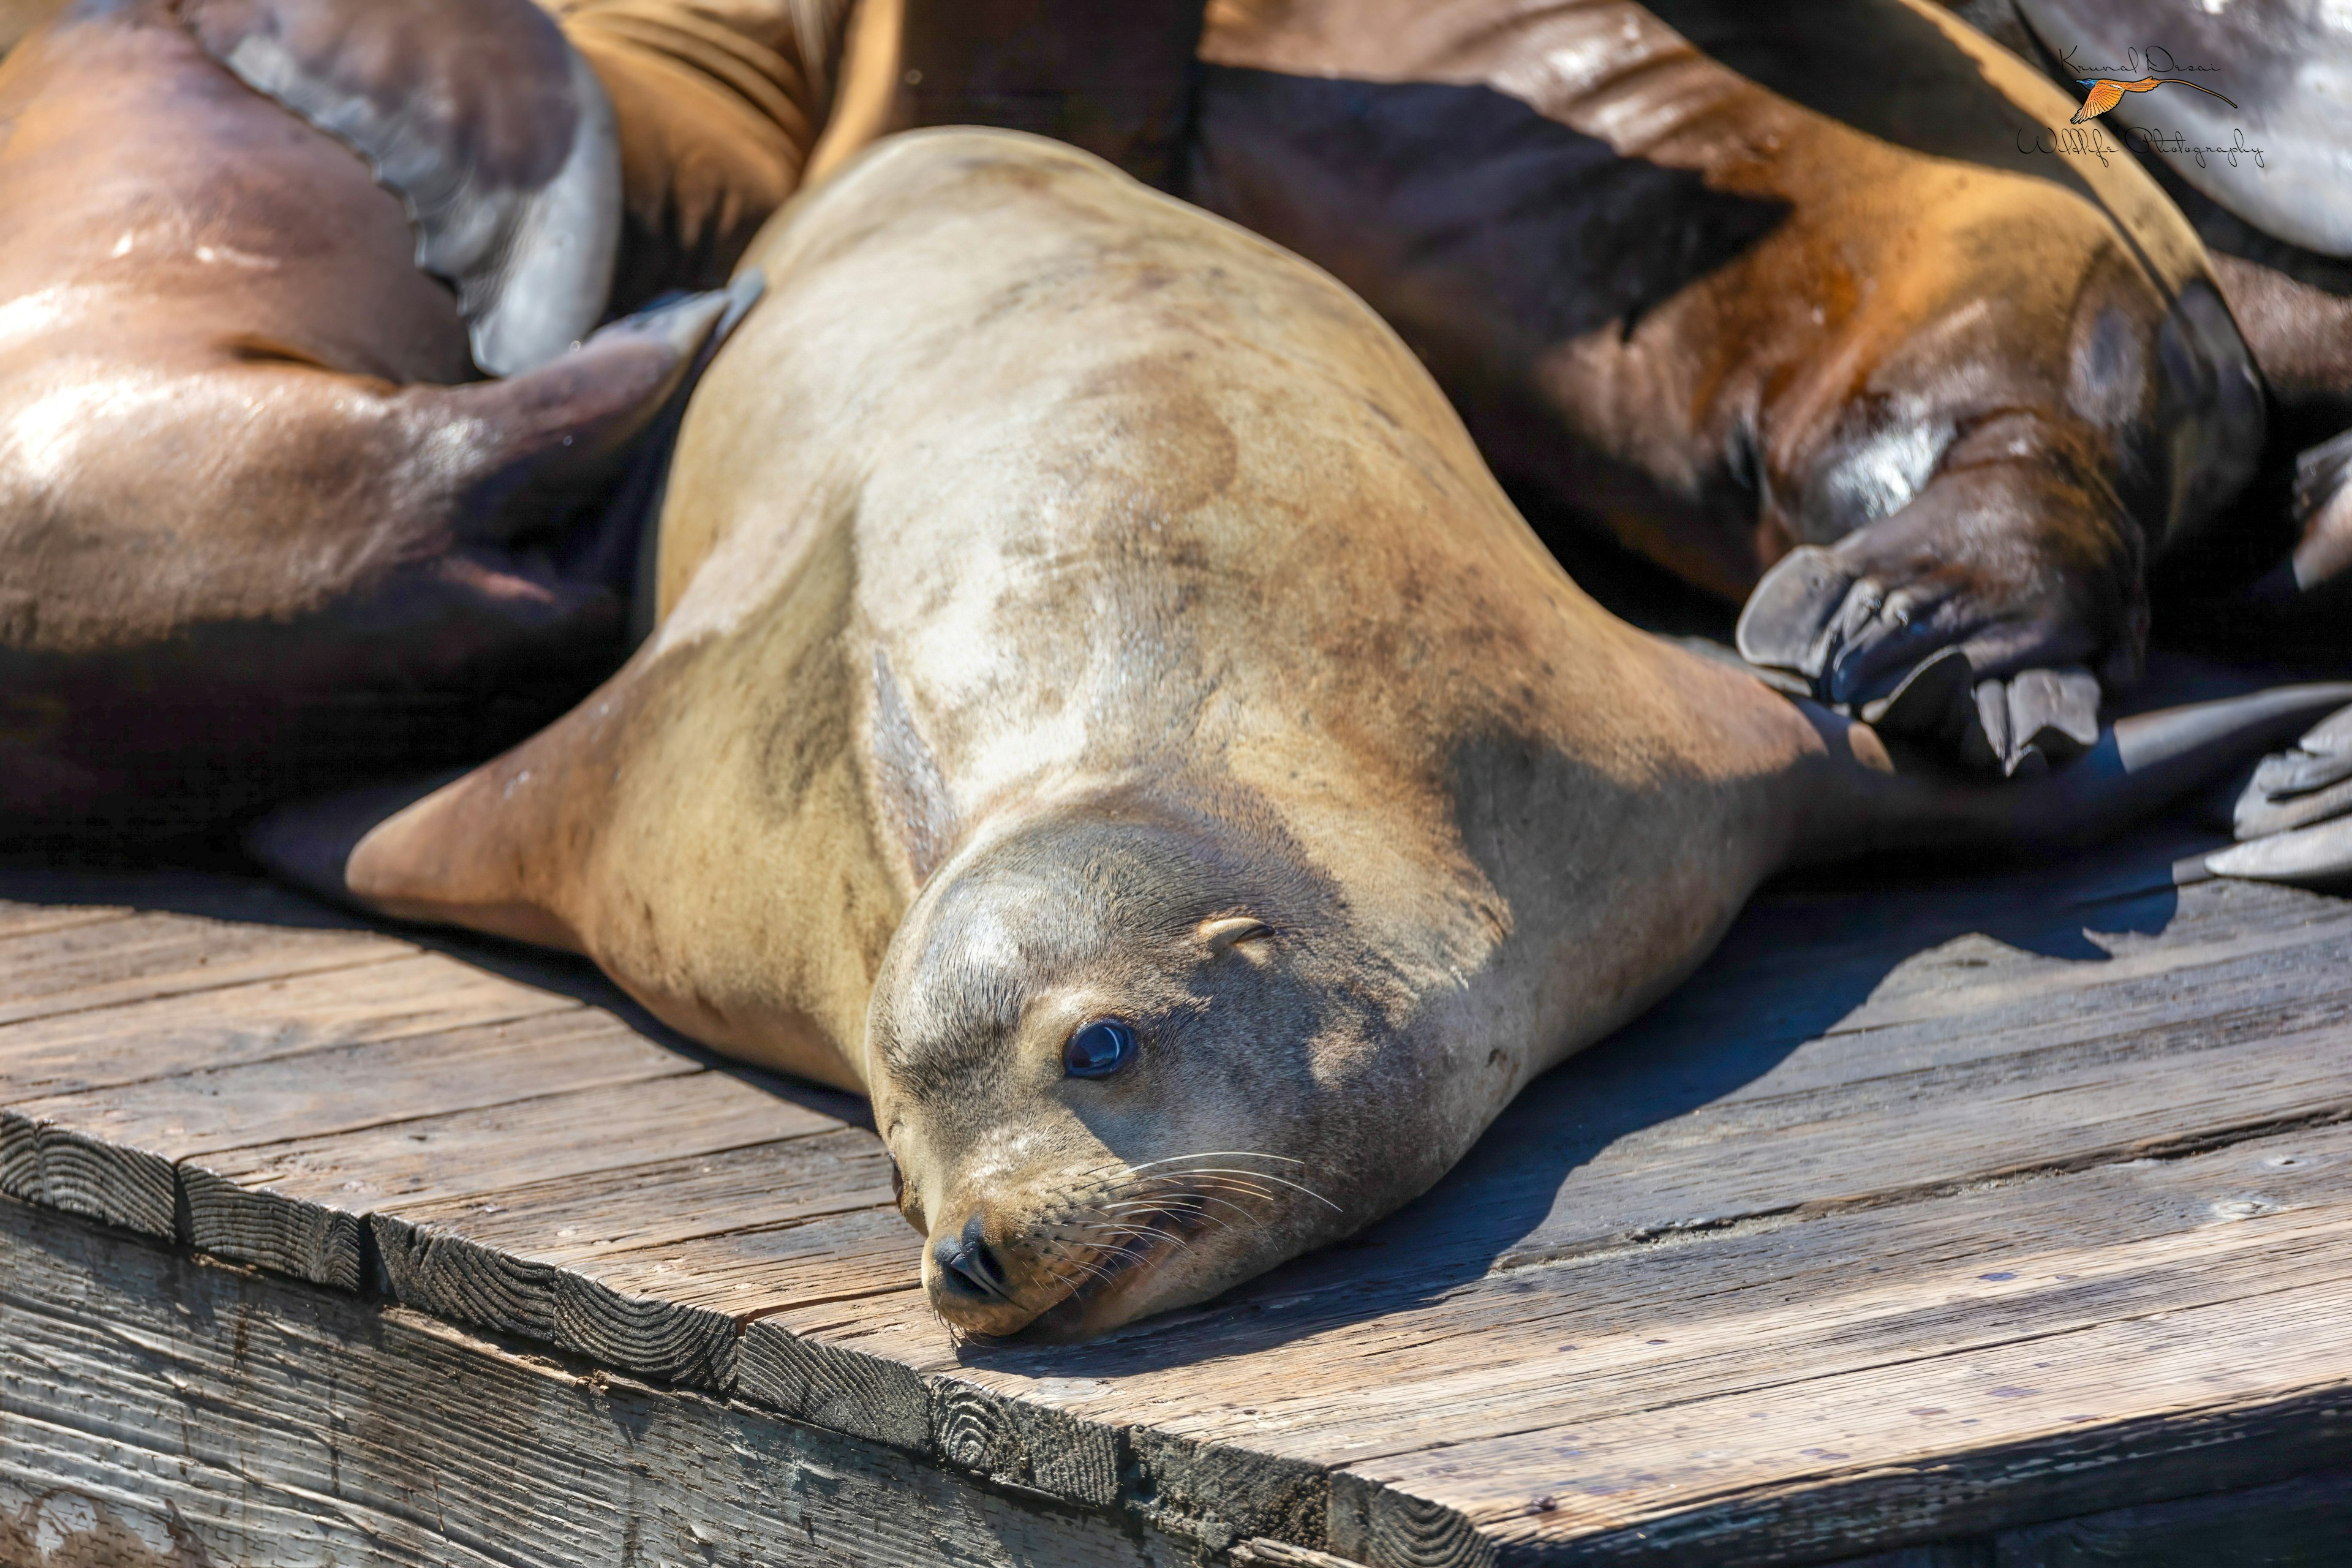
161, 1411
1919, 1215
74, 968
111, 1153
299, 1205
653, 1267
26, 920
406, 993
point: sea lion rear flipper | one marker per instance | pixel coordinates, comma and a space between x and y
2322, 513
508, 450
486, 123
2004, 559
2292, 795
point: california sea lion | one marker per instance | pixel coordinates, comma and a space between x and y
260, 528
719, 104
19, 18
1772, 292
2266, 177
1105, 709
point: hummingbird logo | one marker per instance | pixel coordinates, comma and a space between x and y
2106, 93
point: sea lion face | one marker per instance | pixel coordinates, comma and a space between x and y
1119, 1068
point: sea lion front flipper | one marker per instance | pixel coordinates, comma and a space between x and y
309, 842
2030, 576
488, 126
501, 850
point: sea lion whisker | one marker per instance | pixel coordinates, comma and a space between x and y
1203, 1215
1188, 1198
1138, 1192
1200, 1214
1192, 1210
1091, 1269
1263, 1176
1134, 1229
1125, 1230
1217, 1154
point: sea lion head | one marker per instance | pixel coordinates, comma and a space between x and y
1124, 1054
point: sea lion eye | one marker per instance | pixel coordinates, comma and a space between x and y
1098, 1049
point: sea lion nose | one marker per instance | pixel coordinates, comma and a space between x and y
969, 1267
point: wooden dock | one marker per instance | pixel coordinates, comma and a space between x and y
1982, 1221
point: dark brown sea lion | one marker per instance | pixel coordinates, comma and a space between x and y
2266, 177
261, 529
1105, 708
718, 105
1771, 292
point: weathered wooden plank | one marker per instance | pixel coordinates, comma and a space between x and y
300, 1207
654, 1268
1703, 1182
214, 1416
1972, 1023
414, 994
664, 1203
109, 1154
78, 967
1907, 960
1260, 1553
2027, 922
2305, 1521
26, 920
1275, 1384
2221, 1392
829, 1379
1600, 1153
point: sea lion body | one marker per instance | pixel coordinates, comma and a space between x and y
261, 529
2263, 170
1037, 539
1771, 292
1079, 613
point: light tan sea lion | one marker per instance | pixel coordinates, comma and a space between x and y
261, 527
1782, 298
1105, 709
19, 18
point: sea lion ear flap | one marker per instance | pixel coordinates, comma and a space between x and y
489, 127
1244, 934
